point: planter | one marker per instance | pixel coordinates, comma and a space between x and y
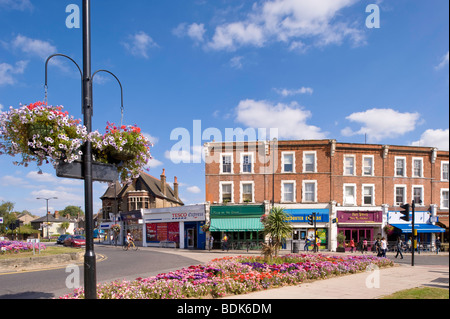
340, 250
121, 156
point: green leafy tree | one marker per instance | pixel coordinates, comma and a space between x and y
277, 227
73, 211
9, 217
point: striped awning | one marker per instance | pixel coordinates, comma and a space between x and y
236, 224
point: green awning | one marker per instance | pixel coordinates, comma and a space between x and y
236, 224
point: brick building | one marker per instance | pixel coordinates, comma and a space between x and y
356, 189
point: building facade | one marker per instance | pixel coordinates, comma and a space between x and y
355, 187
123, 204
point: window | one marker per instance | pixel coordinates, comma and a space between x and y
246, 163
368, 166
288, 162
226, 164
417, 167
349, 165
368, 195
400, 195
226, 192
418, 194
247, 192
349, 194
309, 162
444, 198
309, 191
444, 171
400, 166
288, 191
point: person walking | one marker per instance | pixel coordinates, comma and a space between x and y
352, 245
383, 247
211, 242
225, 243
399, 248
438, 245
364, 245
408, 245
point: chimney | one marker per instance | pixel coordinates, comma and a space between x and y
163, 182
175, 188
56, 214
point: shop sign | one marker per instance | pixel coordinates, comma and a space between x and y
226, 211
195, 213
420, 218
301, 215
358, 217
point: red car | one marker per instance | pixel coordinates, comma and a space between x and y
75, 241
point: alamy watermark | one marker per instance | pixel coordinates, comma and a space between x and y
373, 279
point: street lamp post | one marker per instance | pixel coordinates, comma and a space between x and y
47, 199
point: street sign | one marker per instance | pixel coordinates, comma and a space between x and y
100, 172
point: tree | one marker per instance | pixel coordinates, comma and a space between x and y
9, 217
73, 211
277, 227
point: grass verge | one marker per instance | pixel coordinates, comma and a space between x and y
420, 293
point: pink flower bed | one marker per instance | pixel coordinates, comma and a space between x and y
18, 246
234, 275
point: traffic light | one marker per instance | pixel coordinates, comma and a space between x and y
311, 219
405, 213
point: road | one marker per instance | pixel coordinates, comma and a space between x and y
117, 264
129, 265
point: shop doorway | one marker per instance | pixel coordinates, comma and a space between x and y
191, 238
358, 235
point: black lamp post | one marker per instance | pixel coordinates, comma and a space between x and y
90, 280
47, 199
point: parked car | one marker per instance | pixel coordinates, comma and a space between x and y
60, 240
75, 241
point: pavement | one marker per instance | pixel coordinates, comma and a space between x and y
372, 284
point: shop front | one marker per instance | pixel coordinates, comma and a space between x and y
132, 224
424, 225
177, 227
303, 233
359, 225
241, 224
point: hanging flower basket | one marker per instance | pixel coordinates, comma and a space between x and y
123, 146
41, 133
116, 228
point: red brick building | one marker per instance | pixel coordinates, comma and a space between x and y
364, 184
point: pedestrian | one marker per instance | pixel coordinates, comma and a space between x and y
399, 248
364, 245
383, 247
378, 247
438, 245
408, 245
225, 243
306, 247
352, 245
211, 241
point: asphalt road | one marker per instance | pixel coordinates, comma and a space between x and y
129, 265
117, 265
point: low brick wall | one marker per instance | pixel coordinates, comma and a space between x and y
21, 264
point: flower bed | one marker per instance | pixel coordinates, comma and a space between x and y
9, 247
234, 275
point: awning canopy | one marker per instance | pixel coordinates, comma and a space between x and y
236, 224
421, 228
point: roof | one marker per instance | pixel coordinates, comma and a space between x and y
51, 219
148, 183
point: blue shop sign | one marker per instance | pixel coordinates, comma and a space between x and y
301, 215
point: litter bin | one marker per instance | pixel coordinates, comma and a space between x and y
295, 249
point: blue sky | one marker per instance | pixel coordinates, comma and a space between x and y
312, 69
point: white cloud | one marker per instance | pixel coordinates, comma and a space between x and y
289, 119
291, 22
194, 189
20, 5
139, 44
8, 71
434, 138
194, 31
34, 47
154, 163
178, 156
444, 62
382, 123
151, 138
1, 107
236, 62
288, 92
